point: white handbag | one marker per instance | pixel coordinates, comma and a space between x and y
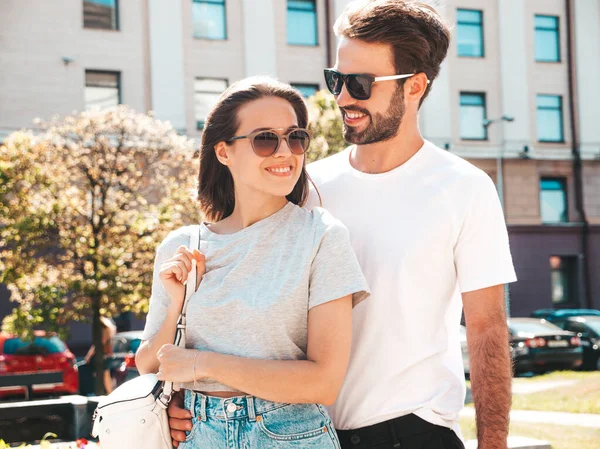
135, 414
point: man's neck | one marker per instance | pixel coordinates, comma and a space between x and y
382, 157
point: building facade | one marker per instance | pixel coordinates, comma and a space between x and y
516, 96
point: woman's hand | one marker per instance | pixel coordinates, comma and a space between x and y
177, 364
174, 272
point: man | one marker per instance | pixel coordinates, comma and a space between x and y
429, 232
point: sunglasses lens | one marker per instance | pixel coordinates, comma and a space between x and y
333, 81
299, 141
265, 144
359, 86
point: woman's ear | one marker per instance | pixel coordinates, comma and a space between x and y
221, 153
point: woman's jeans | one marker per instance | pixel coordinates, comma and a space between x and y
247, 422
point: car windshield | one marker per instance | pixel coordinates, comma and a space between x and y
594, 325
533, 327
122, 344
135, 344
39, 346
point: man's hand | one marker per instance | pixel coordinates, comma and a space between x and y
180, 419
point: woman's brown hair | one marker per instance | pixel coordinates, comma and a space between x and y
215, 184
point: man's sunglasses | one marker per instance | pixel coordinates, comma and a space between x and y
358, 85
265, 142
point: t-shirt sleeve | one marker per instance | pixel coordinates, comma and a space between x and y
335, 272
159, 299
482, 251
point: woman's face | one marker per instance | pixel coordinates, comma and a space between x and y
275, 175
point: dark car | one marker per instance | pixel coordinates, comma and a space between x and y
121, 362
125, 345
557, 316
587, 329
45, 353
540, 346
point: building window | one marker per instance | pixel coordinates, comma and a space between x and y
547, 42
469, 34
206, 93
549, 118
101, 14
553, 200
307, 90
472, 116
302, 22
209, 19
102, 89
563, 275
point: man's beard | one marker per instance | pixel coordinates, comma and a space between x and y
381, 127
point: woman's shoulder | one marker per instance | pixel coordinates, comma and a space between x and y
176, 238
320, 221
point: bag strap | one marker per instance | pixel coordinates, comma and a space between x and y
190, 289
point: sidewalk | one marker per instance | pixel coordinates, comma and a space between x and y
557, 418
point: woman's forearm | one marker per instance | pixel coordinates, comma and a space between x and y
145, 358
293, 381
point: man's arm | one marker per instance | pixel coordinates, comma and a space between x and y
491, 367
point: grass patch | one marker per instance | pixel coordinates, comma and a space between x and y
581, 397
560, 437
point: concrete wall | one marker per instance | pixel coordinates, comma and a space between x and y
36, 35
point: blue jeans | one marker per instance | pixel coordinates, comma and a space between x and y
248, 422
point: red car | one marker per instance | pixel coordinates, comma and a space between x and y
46, 355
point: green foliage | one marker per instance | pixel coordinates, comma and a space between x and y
82, 208
326, 126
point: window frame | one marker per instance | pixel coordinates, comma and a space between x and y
110, 72
225, 28
481, 32
570, 269
556, 30
460, 105
287, 24
316, 86
198, 126
117, 18
564, 182
561, 112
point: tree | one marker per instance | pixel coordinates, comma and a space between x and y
82, 209
326, 126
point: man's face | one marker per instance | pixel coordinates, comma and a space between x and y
378, 118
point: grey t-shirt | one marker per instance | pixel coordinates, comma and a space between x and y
260, 283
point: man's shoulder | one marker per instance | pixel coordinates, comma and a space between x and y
454, 166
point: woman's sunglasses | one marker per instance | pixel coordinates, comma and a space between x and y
265, 142
358, 85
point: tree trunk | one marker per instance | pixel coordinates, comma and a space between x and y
98, 367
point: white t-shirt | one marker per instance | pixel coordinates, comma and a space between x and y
423, 233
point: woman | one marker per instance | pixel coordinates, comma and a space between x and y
269, 329
108, 332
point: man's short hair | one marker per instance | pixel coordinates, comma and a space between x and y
418, 35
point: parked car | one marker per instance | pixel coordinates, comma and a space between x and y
557, 316
465, 351
125, 345
121, 363
44, 354
538, 345
587, 329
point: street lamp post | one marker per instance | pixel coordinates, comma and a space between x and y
500, 186
499, 157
